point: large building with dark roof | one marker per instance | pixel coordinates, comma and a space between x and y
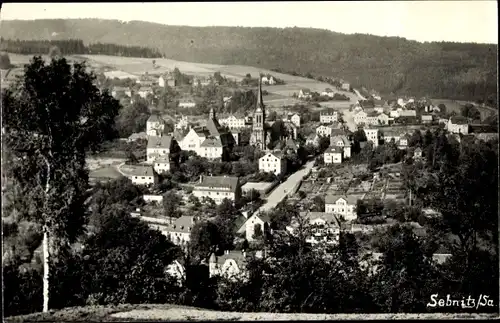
218, 188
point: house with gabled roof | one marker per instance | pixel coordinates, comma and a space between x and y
458, 124
160, 147
186, 103
360, 117
218, 188
327, 130
273, 162
344, 142
328, 92
140, 174
372, 134
333, 155
155, 125
344, 205
346, 86
234, 121
328, 116
404, 139
417, 153
230, 265
167, 80
258, 222
211, 148
179, 231
305, 94
324, 228
313, 139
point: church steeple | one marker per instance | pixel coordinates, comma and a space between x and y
260, 101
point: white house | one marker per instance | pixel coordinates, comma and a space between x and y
417, 154
179, 232
305, 94
193, 139
162, 165
372, 118
383, 119
158, 147
328, 116
268, 80
230, 265
360, 117
273, 162
218, 188
403, 141
313, 139
186, 103
324, 228
327, 130
341, 205
346, 86
394, 113
333, 155
155, 125
458, 125
372, 135
295, 119
211, 148
165, 80
140, 174
233, 122
260, 220
344, 142
328, 92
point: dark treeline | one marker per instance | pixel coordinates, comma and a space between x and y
75, 46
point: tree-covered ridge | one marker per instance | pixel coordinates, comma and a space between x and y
74, 46
389, 64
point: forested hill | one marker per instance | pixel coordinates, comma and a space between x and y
387, 64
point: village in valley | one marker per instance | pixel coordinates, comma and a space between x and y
341, 167
173, 172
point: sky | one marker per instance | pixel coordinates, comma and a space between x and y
457, 21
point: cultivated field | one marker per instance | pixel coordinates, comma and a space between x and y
122, 67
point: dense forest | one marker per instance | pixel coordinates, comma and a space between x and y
74, 46
462, 71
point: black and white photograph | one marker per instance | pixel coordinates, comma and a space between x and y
249, 161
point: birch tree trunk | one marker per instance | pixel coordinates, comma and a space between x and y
46, 247
45, 270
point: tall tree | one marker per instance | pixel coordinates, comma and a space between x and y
51, 118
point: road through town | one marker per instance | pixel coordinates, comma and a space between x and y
282, 190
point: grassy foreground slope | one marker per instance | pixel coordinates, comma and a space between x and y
389, 64
166, 312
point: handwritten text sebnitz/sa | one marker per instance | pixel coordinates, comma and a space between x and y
470, 302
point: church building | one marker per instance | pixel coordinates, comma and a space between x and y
260, 137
